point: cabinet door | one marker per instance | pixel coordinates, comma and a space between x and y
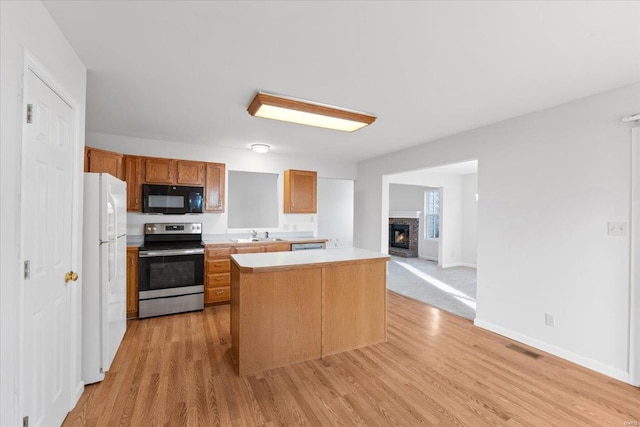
133, 176
101, 161
132, 282
159, 171
217, 294
214, 187
218, 265
190, 173
249, 249
300, 191
279, 247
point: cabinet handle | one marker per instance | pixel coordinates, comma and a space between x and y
219, 291
218, 278
131, 262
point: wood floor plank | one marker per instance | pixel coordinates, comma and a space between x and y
435, 369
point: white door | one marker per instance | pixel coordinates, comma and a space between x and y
46, 208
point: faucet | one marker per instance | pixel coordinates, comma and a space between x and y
266, 234
254, 233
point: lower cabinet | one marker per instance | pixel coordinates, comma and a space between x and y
218, 267
217, 274
132, 282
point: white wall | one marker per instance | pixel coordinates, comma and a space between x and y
25, 25
242, 160
469, 220
335, 212
548, 184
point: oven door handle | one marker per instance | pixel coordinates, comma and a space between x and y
171, 252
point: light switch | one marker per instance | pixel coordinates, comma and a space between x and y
617, 228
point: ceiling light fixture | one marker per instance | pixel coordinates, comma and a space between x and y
260, 148
308, 113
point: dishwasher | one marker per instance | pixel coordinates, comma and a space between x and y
307, 246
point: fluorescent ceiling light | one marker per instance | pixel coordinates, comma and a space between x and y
260, 148
308, 113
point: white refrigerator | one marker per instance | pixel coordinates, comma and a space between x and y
104, 293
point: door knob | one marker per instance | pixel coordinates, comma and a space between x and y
70, 276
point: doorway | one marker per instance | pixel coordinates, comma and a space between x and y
442, 203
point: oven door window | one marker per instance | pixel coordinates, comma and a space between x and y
171, 272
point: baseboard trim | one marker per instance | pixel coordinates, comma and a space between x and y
429, 258
556, 351
79, 391
458, 264
452, 264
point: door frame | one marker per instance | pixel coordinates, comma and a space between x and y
634, 282
31, 64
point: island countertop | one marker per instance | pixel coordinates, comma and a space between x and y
275, 261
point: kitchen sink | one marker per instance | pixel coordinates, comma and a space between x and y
256, 239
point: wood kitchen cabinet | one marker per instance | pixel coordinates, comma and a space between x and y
132, 282
133, 175
278, 247
214, 187
217, 274
138, 170
190, 172
159, 171
218, 267
249, 249
300, 191
102, 161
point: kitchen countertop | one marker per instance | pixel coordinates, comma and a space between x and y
137, 241
274, 261
230, 242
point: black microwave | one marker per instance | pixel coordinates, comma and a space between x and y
172, 199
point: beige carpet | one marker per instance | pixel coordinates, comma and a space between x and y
451, 289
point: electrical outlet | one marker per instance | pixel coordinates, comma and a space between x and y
617, 228
549, 320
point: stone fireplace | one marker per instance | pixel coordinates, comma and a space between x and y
403, 237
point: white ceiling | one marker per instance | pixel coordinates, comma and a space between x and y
186, 71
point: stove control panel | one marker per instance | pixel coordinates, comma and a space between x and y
173, 228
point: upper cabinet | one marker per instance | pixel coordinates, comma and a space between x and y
300, 191
138, 170
214, 187
159, 171
190, 173
102, 161
133, 175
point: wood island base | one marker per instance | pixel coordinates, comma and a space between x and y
291, 307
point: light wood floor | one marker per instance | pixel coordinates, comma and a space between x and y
435, 369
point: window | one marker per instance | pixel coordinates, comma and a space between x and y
432, 215
252, 200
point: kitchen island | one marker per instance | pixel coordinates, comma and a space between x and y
287, 307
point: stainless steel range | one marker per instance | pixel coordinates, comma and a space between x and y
171, 272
